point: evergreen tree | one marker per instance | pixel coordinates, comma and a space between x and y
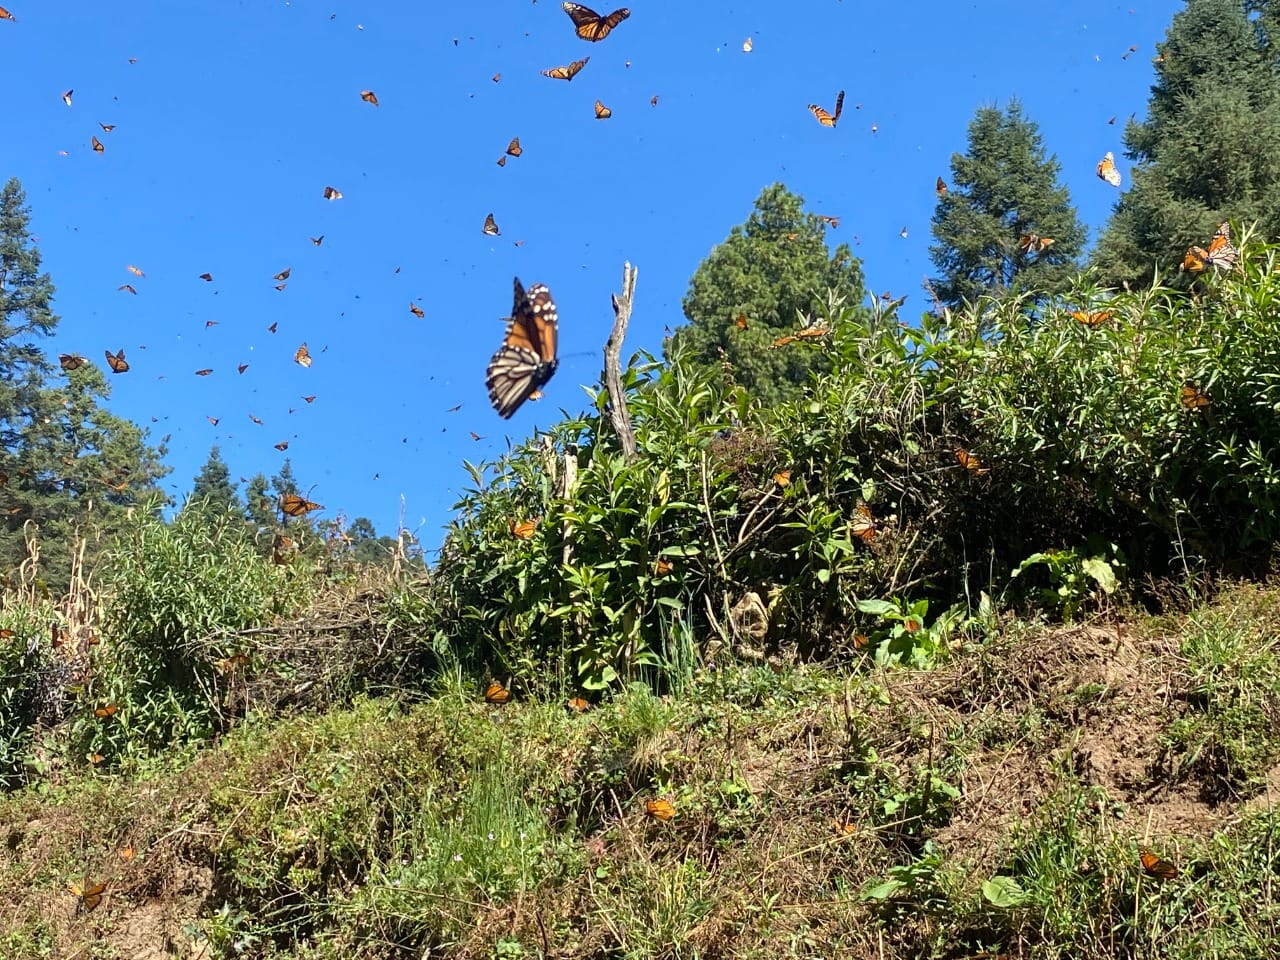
70, 468
1005, 216
366, 546
774, 272
259, 508
213, 490
1209, 149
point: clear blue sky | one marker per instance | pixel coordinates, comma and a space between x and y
236, 115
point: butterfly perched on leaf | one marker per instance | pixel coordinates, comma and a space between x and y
566, 72
1221, 253
1155, 865
863, 525
782, 478
828, 119
663, 567
527, 358
660, 809
88, 897
331, 194
1092, 318
1107, 169
293, 505
602, 112
1034, 243
106, 711
577, 705
496, 692
522, 530
71, 361
1193, 398
589, 25
971, 463
302, 356
368, 96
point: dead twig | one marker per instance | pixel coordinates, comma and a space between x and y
613, 366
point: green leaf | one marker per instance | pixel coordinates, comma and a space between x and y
1004, 892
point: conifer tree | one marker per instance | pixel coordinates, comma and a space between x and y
1005, 216
1209, 149
213, 491
774, 272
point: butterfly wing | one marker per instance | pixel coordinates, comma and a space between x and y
527, 358
1222, 252
589, 25
835, 117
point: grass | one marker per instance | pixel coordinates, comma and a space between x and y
990, 807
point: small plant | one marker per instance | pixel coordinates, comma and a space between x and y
1075, 577
905, 639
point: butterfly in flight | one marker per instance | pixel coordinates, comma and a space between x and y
71, 361
589, 25
491, 226
417, 311
66, 97
207, 277
1155, 865
1092, 318
566, 73
940, 187
602, 112
828, 119
1034, 243
1221, 253
368, 96
513, 148
331, 194
302, 356
527, 358
496, 692
283, 274
293, 505
97, 145
1107, 169
6, 15
117, 362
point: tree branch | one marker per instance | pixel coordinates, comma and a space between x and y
613, 365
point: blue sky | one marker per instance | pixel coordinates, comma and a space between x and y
236, 115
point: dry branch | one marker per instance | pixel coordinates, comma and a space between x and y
613, 365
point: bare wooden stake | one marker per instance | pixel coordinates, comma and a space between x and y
613, 364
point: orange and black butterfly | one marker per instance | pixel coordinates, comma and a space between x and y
1221, 253
863, 525
832, 222
128, 288
828, 119
207, 277
660, 809
513, 148
577, 705
71, 361
602, 112
368, 96
6, 15
940, 187
106, 711
496, 692
97, 145
522, 530
1193, 398
1107, 169
663, 567
283, 274
971, 463
331, 194
589, 24
282, 548
566, 73
1034, 243
293, 505
88, 897
417, 311
1155, 865
527, 358
117, 362
302, 356
491, 226
1092, 318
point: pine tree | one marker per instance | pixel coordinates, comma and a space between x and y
1209, 149
213, 491
774, 272
1005, 217
69, 468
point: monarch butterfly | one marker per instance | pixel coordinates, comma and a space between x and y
66, 97
1034, 243
589, 24
577, 705
293, 505
602, 112
310, 399
135, 271
663, 567
205, 372
233, 662
126, 853
283, 274
282, 446
746, 45
863, 525
6, 15
89, 898
302, 356
843, 828
828, 119
417, 311
368, 96
491, 226
740, 321
97, 145
496, 692
527, 358
1092, 318
1193, 398
513, 148
660, 809
653, 101
71, 361
782, 478
1107, 169
317, 240
566, 73
117, 362
832, 222
1221, 252
496, 77
128, 288
970, 462
1155, 865
282, 548
331, 194
241, 367
940, 187
522, 530
207, 277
